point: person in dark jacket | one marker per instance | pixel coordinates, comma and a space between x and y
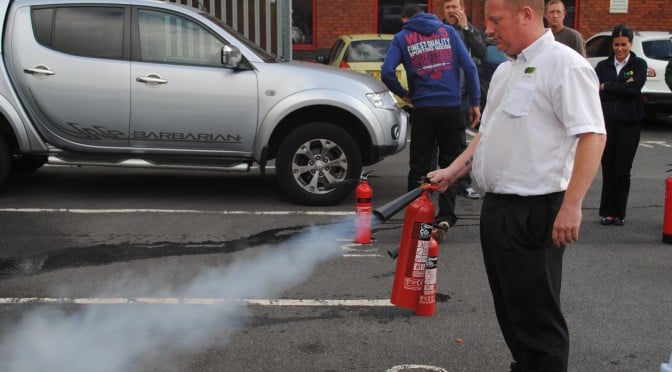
454, 15
621, 77
668, 73
433, 55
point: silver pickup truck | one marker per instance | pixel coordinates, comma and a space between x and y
143, 83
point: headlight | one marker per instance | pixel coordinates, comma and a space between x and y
384, 100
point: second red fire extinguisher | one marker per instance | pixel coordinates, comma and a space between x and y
667, 213
363, 209
427, 301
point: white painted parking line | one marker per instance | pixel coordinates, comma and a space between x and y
185, 211
416, 367
191, 301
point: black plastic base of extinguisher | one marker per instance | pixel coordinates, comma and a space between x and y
667, 238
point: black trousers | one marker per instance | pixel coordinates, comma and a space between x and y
524, 271
619, 153
432, 126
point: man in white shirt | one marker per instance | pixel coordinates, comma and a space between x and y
536, 154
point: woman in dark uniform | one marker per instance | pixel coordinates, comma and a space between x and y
622, 77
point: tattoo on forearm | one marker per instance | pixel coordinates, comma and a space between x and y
469, 161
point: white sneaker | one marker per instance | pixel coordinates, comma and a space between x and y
440, 231
471, 193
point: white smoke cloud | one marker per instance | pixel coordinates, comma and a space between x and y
112, 338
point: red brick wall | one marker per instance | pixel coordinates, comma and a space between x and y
646, 15
593, 15
338, 17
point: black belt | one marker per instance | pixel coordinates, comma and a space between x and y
550, 196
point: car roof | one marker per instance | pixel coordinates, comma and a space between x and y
644, 34
359, 37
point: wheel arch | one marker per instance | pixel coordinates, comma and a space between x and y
322, 113
7, 132
335, 107
14, 128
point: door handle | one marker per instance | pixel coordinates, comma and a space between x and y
151, 79
39, 70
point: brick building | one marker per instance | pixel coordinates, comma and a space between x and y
324, 20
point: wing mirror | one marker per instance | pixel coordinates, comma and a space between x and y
231, 56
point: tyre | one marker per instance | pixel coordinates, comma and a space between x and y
28, 164
5, 161
314, 156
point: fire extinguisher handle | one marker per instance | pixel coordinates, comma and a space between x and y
365, 174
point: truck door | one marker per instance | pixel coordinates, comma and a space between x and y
183, 98
74, 78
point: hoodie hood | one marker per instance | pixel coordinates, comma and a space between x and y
424, 23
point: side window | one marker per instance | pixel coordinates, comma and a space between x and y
42, 23
335, 51
598, 47
367, 51
167, 38
87, 31
658, 49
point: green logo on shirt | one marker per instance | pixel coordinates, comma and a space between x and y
629, 73
530, 70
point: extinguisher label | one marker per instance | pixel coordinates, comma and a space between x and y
427, 299
364, 200
415, 269
413, 284
430, 280
420, 259
425, 231
428, 295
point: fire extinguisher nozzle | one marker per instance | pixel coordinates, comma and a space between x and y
388, 210
393, 253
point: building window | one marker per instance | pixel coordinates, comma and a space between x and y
570, 13
303, 27
389, 14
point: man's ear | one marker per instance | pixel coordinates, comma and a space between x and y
527, 14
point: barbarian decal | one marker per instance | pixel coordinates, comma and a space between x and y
185, 137
96, 132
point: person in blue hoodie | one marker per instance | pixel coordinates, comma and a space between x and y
433, 54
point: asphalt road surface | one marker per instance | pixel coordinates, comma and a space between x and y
133, 270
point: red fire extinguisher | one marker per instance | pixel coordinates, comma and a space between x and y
427, 302
363, 207
413, 250
667, 218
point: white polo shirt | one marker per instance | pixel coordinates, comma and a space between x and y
537, 105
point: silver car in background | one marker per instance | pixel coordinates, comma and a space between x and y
141, 83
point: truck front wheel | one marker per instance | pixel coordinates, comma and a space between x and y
314, 156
